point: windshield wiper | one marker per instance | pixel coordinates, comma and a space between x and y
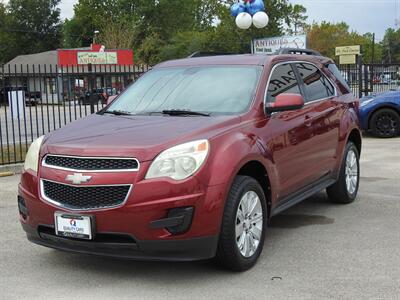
182, 112
117, 112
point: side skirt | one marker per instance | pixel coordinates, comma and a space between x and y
303, 194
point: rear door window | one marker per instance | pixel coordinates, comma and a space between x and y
282, 80
316, 85
344, 87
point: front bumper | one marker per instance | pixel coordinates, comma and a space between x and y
165, 250
148, 207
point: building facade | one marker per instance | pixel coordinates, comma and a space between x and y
69, 74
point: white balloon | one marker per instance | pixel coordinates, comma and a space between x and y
260, 19
243, 20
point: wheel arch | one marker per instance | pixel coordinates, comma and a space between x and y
257, 170
356, 138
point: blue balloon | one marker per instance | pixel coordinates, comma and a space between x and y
237, 8
255, 7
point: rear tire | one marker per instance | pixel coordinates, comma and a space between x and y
345, 189
385, 123
243, 225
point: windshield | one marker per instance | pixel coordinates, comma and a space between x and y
212, 90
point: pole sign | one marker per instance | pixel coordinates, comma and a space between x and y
97, 58
271, 45
348, 54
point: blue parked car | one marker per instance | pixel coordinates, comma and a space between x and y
380, 114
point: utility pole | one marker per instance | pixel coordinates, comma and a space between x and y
373, 49
371, 82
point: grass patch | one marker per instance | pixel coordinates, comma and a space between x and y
10, 154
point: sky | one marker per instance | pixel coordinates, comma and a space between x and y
362, 15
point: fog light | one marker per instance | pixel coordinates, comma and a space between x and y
23, 210
178, 220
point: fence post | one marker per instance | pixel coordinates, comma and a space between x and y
366, 80
372, 77
360, 75
91, 87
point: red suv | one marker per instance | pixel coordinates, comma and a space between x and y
194, 159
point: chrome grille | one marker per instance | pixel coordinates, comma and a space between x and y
101, 164
84, 197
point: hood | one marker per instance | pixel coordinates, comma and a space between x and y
381, 95
142, 137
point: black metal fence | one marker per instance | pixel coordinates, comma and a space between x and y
366, 79
36, 99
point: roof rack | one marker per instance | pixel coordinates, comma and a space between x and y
205, 53
298, 51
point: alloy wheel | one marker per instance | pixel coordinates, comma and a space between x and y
351, 171
386, 124
249, 224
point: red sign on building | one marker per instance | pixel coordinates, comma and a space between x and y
95, 56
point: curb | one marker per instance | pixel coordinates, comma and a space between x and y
9, 170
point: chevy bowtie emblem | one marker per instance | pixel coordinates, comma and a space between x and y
78, 178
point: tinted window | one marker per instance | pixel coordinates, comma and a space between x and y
344, 85
283, 80
220, 90
316, 85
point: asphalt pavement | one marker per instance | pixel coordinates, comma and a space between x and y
315, 250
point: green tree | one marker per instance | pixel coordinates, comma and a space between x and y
5, 38
117, 35
74, 34
91, 15
175, 28
391, 46
298, 19
222, 35
369, 49
325, 37
31, 26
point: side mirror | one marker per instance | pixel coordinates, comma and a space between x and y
284, 102
111, 99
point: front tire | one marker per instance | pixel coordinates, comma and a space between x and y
243, 225
346, 187
385, 123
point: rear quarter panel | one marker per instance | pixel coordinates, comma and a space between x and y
349, 121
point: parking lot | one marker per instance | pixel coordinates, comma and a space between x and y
38, 120
315, 250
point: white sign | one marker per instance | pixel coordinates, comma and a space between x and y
271, 45
97, 58
16, 100
347, 59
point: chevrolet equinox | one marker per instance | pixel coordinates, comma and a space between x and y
193, 160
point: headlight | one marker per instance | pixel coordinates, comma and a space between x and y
366, 102
179, 162
32, 157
